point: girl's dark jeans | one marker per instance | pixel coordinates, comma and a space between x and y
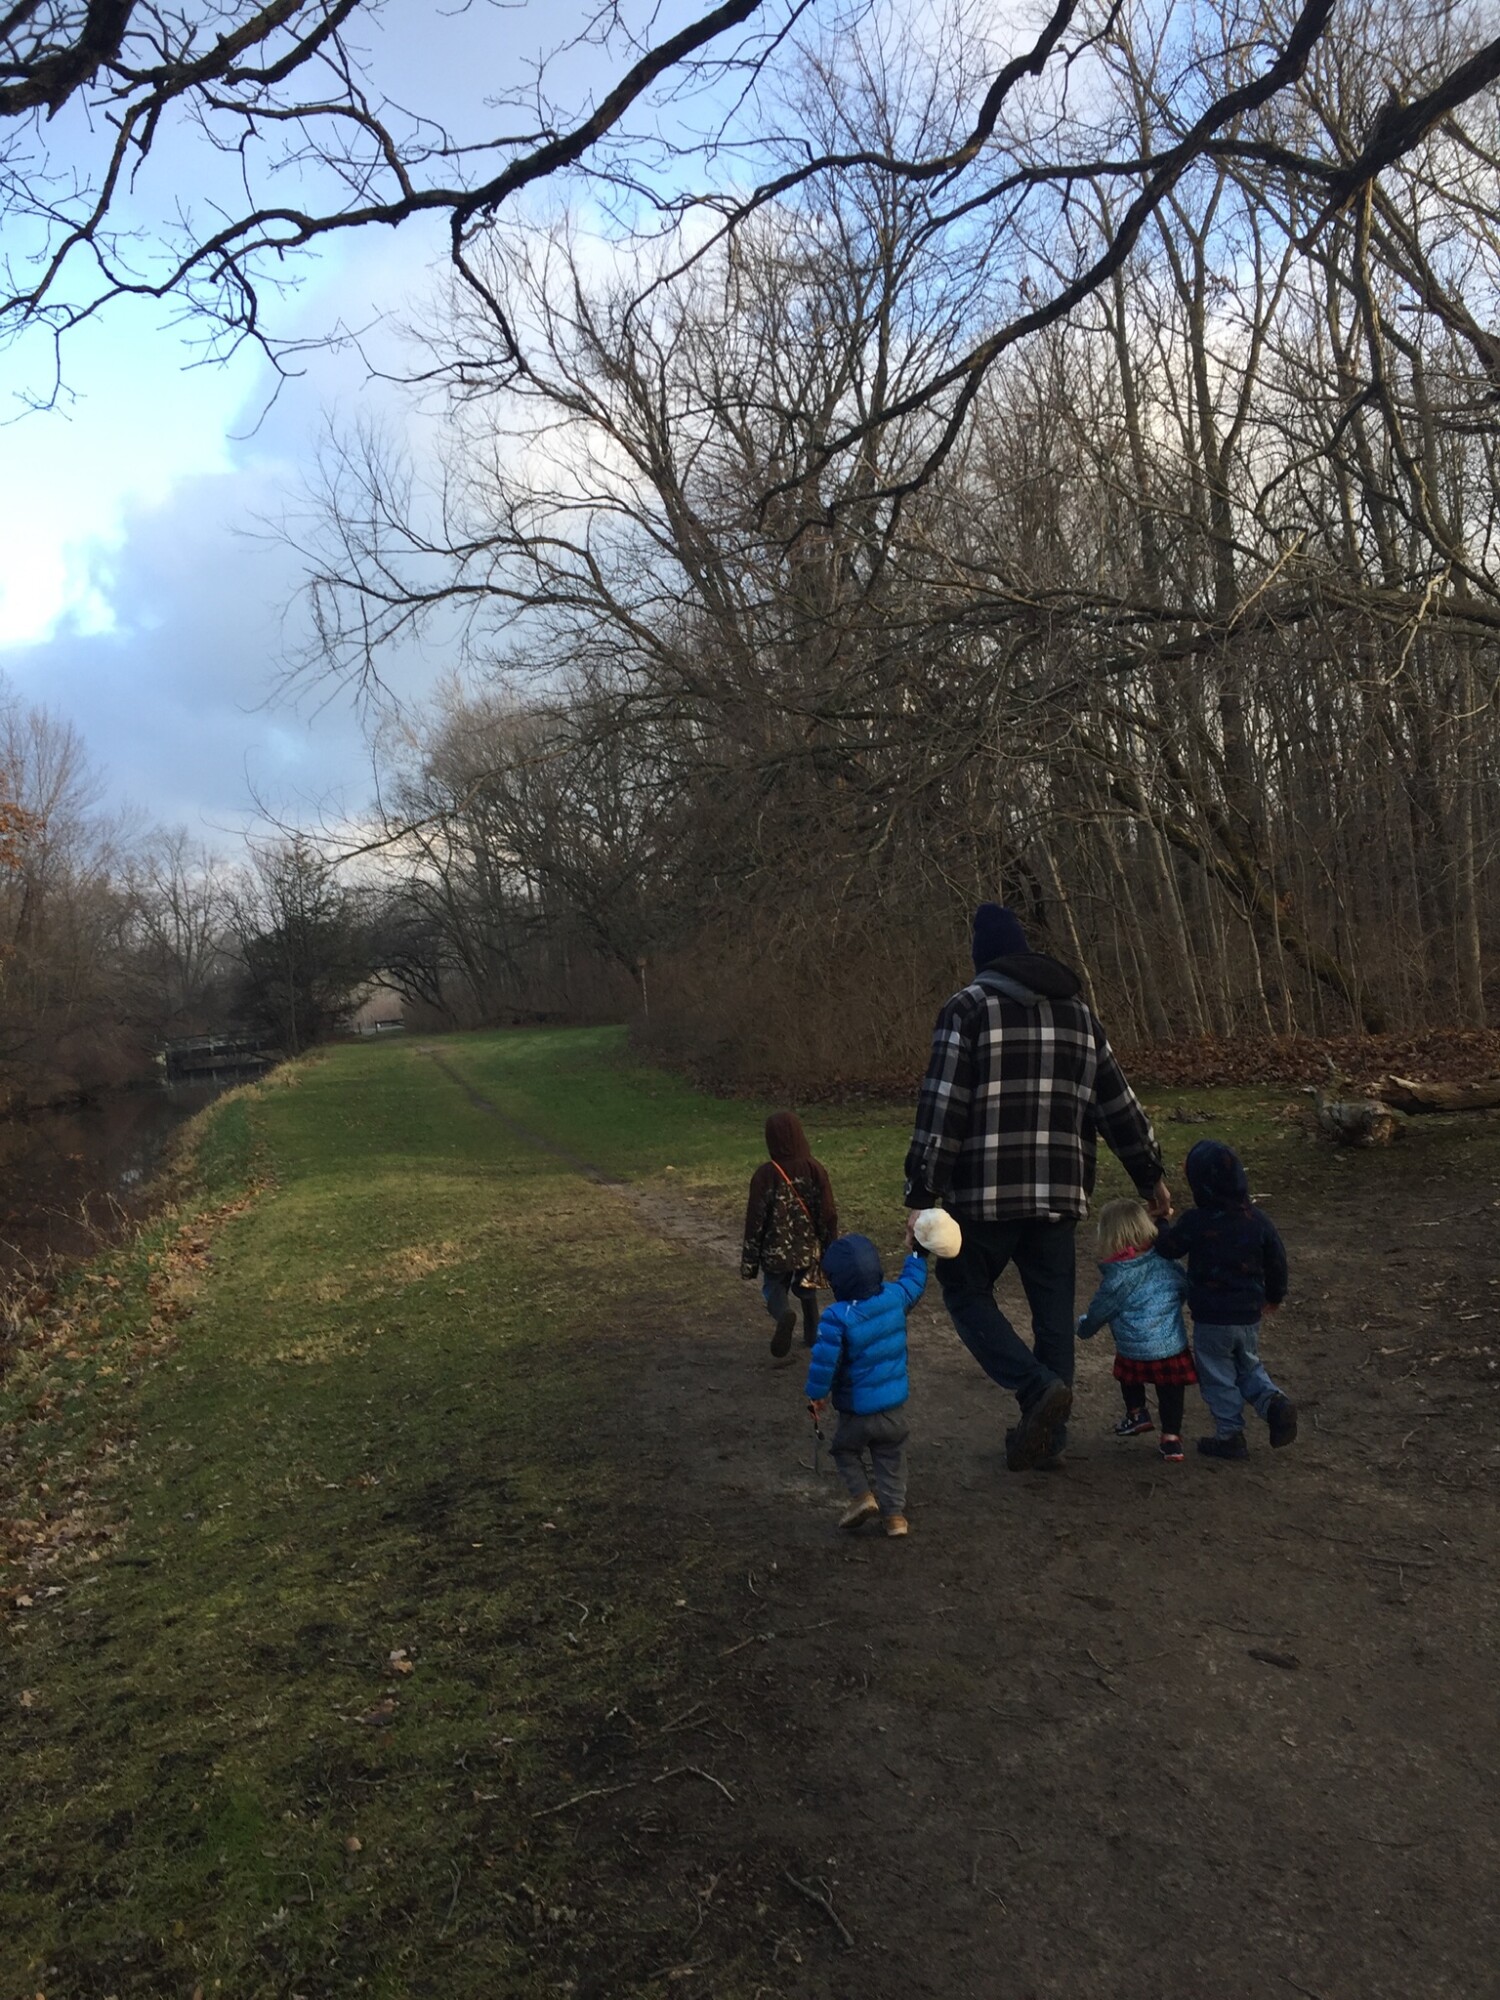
780, 1290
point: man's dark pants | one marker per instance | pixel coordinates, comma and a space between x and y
1043, 1254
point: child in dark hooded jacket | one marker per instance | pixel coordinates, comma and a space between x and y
1236, 1267
789, 1220
859, 1362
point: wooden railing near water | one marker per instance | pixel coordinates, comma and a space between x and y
206, 1055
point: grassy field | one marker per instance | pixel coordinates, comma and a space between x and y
363, 1443
320, 1617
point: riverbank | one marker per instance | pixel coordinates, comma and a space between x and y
441, 1597
75, 1177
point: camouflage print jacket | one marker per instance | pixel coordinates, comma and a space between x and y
788, 1222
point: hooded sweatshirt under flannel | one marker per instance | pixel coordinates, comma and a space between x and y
1021, 1080
1236, 1264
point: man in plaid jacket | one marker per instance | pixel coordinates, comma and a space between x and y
1021, 1080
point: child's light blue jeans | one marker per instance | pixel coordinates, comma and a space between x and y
1231, 1374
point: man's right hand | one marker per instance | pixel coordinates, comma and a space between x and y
1159, 1202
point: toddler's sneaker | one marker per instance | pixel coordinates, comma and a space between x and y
856, 1515
1281, 1418
1233, 1446
1170, 1448
1134, 1424
786, 1326
895, 1524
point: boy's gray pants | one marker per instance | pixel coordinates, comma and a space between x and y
883, 1436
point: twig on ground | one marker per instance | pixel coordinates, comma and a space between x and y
598, 1792
1345, 1542
790, 1632
1270, 1659
453, 1904
823, 1901
1308, 1990
678, 1720
694, 1771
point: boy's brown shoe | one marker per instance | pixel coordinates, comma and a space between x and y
895, 1524
860, 1512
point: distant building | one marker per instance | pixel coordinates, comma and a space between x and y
379, 1010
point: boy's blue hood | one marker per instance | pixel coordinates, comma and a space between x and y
1217, 1178
851, 1265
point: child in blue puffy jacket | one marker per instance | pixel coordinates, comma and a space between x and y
859, 1363
1140, 1299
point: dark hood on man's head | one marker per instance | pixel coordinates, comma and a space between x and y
786, 1141
851, 1264
1043, 977
1216, 1176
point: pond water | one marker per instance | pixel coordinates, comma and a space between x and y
70, 1177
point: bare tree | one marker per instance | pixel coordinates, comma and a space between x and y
665, 130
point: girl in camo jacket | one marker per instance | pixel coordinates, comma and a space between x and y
790, 1220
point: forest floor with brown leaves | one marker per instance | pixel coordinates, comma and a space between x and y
654, 1727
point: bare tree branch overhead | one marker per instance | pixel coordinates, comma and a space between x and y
290, 94
189, 152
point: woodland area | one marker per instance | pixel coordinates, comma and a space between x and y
115, 935
1175, 624
1050, 459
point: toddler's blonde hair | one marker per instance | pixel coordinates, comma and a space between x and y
1124, 1225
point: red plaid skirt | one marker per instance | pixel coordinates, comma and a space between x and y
1175, 1368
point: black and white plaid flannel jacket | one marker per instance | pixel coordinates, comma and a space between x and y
1009, 1108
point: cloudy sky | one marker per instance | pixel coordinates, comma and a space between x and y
143, 593
141, 596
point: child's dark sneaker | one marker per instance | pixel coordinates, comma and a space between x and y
1170, 1448
786, 1326
1134, 1424
1031, 1440
1281, 1417
859, 1511
1233, 1446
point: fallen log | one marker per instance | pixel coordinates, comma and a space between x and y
1409, 1096
1357, 1121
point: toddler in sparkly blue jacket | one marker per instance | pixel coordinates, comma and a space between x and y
859, 1364
1140, 1299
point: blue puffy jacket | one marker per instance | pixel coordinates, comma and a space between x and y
1236, 1263
859, 1357
1140, 1300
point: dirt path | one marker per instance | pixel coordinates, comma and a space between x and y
1194, 1732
